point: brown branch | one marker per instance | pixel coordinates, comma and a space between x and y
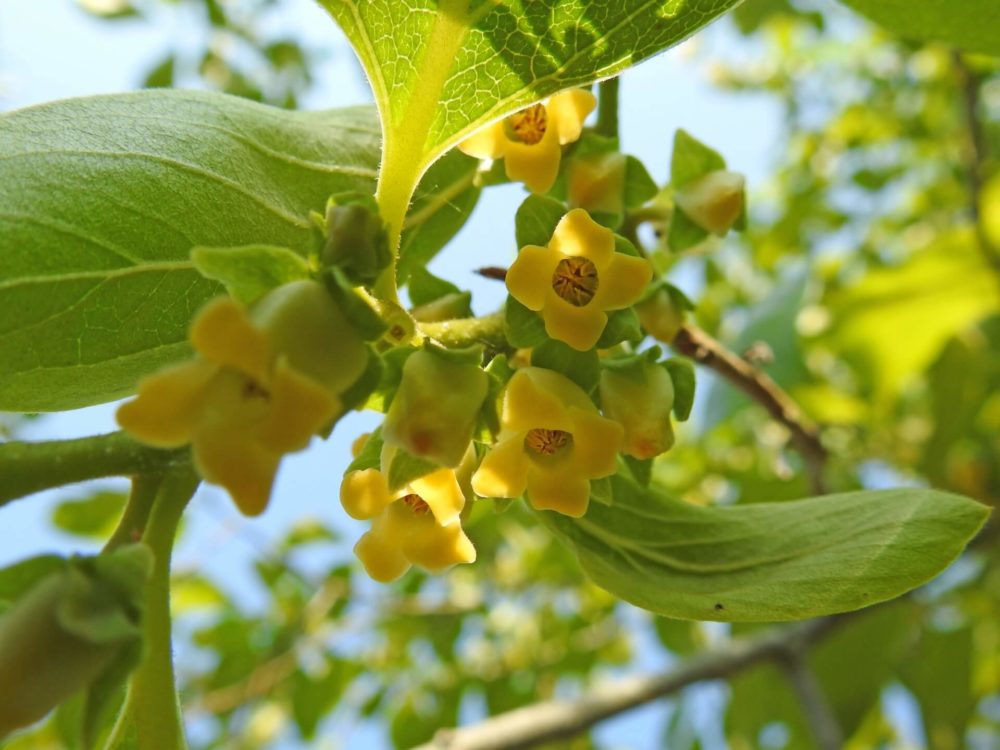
694, 343
559, 719
976, 154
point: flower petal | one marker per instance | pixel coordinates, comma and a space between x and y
168, 404
596, 442
299, 408
488, 142
381, 554
365, 493
567, 110
223, 334
504, 470
622, 281
532, 400
436, 547
578, 234
580, 327
529, 277
245, 468
536, 165
440, 490
563, 490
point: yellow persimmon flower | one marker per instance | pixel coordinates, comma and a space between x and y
552, 442
530, 141
419, 524
253, 394
576, 278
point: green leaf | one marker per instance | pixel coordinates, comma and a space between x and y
370, 456
692, 159
19, 578
404, 468
970, 25
523, 327
425, 287
536, 220
102, 200
767, 561
639, 185
583, 368
440, 207
251, 271
682, 374
895, 321
93, 516
440, 69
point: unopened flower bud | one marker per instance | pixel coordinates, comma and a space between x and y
435, 409
356, 238
640, 397
597, 183
714, 201
661, 315
63, 634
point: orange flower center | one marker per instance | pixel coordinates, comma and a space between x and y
547, 442
528, 125
575, 280
416, 503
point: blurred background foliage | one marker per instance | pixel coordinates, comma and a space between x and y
867, 285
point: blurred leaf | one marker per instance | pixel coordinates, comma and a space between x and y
767, 561
692, 159
970, 25
682, 375
162, 76
894, 321
312, 698
583, 368
94, 517
17, 579
425, 287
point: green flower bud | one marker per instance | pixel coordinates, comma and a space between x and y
661, 314
714, 201
356, 238
597, 183
639, 396
62, 635
305, 324
435, 409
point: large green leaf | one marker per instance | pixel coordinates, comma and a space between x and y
440, 69
101, 200
970, 25
768, 561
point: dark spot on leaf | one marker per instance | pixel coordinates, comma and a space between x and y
718, 607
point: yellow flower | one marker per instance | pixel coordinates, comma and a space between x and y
574, 280
640, 398
261, 387
552, 442
714, 201
597, 183
530, 141
419, 524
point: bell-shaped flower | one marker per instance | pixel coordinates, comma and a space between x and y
552, 442
713, 201
263, 384
530, 141
419, 524
575, 279
661, 315
434, 411
639, 397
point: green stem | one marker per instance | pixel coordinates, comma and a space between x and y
145, 488
30, 467
607, 108
151, 715
464, 332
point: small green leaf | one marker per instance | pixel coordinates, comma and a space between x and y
684, 233
93, 516
623, 325
970, 25
639, 186
692, 159
523, 327
404, 468
682, 373
536, 220
768, 561
425, 287
583, 368
19, 578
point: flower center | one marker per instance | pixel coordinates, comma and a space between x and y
527, 126
547, 442
575, 280
254, 390
416, 503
